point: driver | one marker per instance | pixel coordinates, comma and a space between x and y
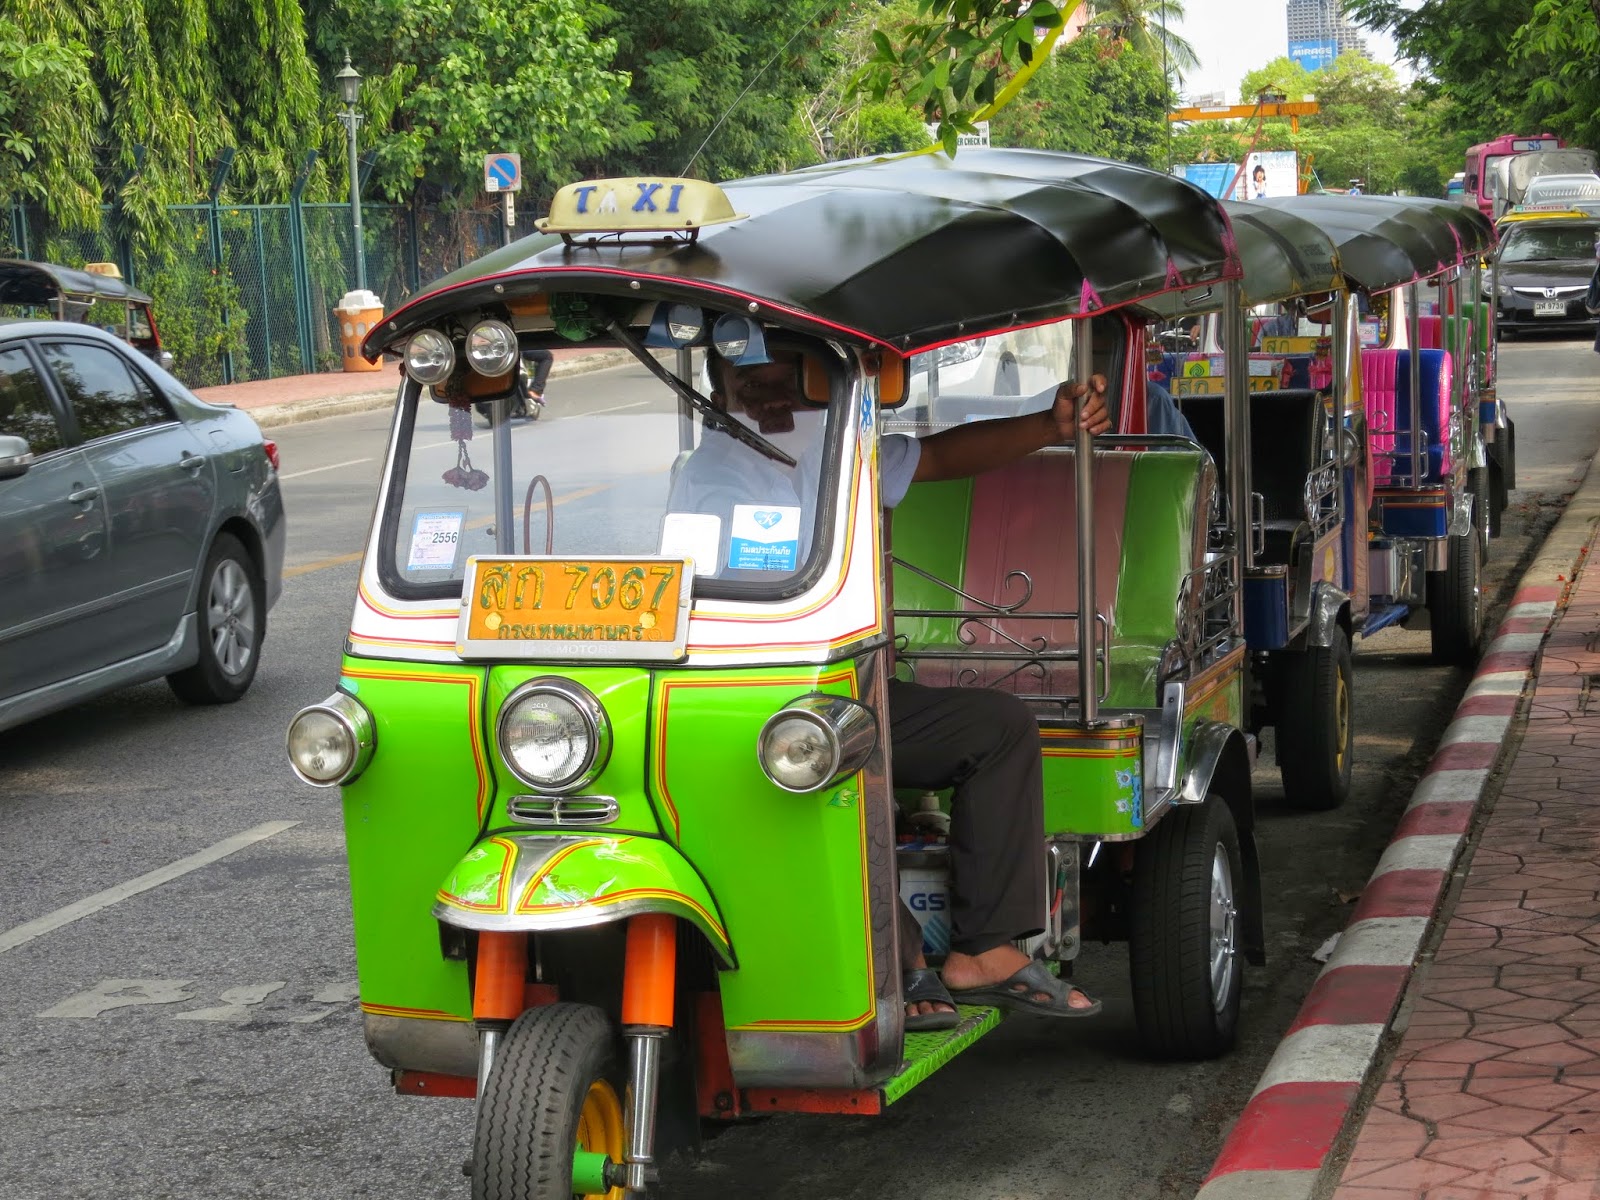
981, 742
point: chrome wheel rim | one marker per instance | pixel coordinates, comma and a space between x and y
1224, 919
231, 618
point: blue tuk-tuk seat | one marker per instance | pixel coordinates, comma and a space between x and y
1386, 387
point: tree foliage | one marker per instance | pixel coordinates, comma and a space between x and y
1094, 96
1502, 66
1146, 26
46, 91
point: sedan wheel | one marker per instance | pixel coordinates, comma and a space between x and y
229, 616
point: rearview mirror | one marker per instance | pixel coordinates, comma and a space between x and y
15, 456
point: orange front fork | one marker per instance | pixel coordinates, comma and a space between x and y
649, 983
498, 993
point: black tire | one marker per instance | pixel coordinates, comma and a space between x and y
231, 622
1497, 498
1314, 726
528, 1113
1184, 1009
1008, 378
1455, 604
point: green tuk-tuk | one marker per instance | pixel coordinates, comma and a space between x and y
625, 851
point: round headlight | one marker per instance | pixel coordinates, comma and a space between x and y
554, 735
430, 356
798, 751
492, 348
330, 743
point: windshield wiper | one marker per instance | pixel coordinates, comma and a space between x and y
710, 414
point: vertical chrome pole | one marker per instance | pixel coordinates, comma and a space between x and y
1411, 293
1236, 418
1083, 446
505, 505
644, 1081
1341, 376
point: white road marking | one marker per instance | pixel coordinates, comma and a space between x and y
235, 1004
26, 932
120, 993
596, 411
354, 462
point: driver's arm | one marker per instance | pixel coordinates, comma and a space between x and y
983, 445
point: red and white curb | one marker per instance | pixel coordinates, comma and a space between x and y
1277, 1149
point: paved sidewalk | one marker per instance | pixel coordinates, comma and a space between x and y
1494, 1090
293, 398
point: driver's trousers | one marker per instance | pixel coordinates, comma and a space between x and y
985, 744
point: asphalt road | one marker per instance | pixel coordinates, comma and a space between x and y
194, 1033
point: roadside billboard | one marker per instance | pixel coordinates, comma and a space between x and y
1314, 53
1268, 173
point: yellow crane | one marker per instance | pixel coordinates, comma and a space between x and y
1269, 103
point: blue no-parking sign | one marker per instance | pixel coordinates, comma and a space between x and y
502, 172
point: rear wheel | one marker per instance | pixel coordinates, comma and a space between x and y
549, 1095
1455, 604
1314, 727
1183, 936
231, 620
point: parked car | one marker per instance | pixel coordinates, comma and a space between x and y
1021, 362
1542, 267
141, 529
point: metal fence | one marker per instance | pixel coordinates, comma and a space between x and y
247, 291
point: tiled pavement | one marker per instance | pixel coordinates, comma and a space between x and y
1494, 1090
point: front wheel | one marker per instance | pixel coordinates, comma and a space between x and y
1183, 950
549, 1095
1314, 727
231, 616
1455, 603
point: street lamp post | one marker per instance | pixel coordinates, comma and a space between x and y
349, 81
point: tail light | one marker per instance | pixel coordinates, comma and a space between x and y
271, 449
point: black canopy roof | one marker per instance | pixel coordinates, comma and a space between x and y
909, 252
1385, 241
23, 282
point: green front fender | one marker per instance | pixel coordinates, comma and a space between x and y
511, 882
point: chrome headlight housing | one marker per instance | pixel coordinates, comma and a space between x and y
554, 735
331, 743
430, 356
815, 742
492, 348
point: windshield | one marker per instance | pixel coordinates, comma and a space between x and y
995, 376
1534, 244
609, 468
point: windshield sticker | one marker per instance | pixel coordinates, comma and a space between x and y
435, 541
692, 535
765, 537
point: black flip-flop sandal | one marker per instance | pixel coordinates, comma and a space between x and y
923, 986
1018, 994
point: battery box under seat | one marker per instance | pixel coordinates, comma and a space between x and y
985, 582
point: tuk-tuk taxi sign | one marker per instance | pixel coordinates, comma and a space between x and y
637, 204
522, 606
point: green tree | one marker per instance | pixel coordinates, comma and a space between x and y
1502, 66
447, 81
716, 87
1094, 96
47, 97
1146, 26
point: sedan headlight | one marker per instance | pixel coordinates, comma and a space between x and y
332, 742
492, 348
430, 356
554, 735
816, 741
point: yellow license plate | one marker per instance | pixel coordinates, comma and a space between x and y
523, 607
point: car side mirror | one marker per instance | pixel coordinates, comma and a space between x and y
15, 456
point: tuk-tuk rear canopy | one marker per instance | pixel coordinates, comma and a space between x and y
1386, 241
908, 252
1283, 256
30, 283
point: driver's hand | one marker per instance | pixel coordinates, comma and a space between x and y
1096, 418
